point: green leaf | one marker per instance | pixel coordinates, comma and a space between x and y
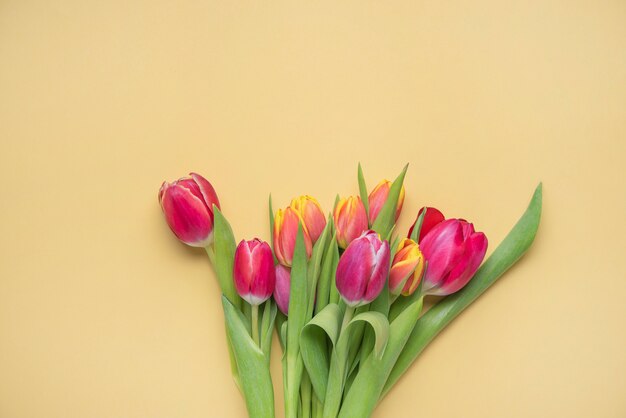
327, 275
380, 304
379, 325
271, 212
417, 228
439, 316
315, 266
224, 247
323, 327
222, 254
298, 306
267, 326
387, 216
363, 191
334, 292
361, 399
256, 380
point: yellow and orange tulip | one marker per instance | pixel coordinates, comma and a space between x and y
305, 210
407, 267
350, 220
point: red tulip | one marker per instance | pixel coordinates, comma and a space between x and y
350, 220
187, 204
282, 288
454, 252
432, 217
253, 271
363, 268
378, 197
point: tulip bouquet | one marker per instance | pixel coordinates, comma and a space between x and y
344, 292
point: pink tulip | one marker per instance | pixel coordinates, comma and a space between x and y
350, 220
282, 288
433, 217
187, 204
454, 252
254, 271
378, 197
363, 269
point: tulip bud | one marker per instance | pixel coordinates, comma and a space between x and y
378, 197
363, 269
350, 220
454, 252
312, 216
253, 271
431, 218
187, 204
407, 267
282, 288
285, 232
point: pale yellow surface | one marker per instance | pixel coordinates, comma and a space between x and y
104, 314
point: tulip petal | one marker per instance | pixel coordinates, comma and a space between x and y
264, 276
442, 248
353, 271
379, 275
432, 218
282, 288
207, 190
187, 216
243, 269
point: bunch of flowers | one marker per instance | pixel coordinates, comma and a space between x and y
343, 291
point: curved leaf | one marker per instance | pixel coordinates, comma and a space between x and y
256, 381
439, 316
314, 349
387, 216
379, 325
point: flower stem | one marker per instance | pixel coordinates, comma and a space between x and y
255, 324
338, 369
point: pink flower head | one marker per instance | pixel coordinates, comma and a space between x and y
363, 269
187, 204
454, 252
253, 271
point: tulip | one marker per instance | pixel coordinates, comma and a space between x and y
454, 252
363, 269
253, 271
187, 204
407, 267
378, 197
285, 231
304, 210
431, 218
311, 214
350, 220
282, 288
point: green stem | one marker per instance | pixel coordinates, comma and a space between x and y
210, 250
337, 372
255, 324
318, 407
305, 396
347, 317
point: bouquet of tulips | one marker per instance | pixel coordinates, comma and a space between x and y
344, 291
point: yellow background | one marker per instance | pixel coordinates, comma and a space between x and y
104, 314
